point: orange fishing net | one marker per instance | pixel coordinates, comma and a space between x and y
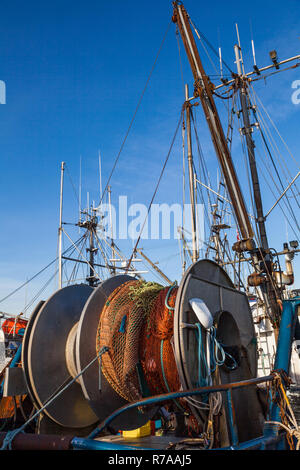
7, 406
121, 321
136, 324
156, 345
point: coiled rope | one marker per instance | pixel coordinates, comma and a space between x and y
217, 355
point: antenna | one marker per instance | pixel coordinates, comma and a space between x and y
221, 64
79, 192
100, 176
253, 52
255, 68
239, 43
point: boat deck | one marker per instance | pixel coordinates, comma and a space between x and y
151, 442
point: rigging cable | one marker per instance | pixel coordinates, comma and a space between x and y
155, 191
279, 154
33, 277
72, 276
286, 200
38, 294
256, 97
199, 34
135, 112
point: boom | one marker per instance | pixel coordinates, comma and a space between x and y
204, 91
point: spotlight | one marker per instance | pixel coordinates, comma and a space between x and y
274, 58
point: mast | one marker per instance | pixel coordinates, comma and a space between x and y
203, 90
60, 226
191, 174
264, 251
247, 131
113, 255
91, 225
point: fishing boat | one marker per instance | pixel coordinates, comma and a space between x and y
124, 364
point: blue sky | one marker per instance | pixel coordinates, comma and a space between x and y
74, 72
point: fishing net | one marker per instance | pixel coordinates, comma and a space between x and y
136, 324
156, 344
9, 406
121, 322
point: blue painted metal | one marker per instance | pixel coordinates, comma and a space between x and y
16, 359
286, 336
171, 396
270, 438
259, 443
232, 425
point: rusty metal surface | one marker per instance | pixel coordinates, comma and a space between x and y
24, 441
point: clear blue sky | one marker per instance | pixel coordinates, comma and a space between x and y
74, 72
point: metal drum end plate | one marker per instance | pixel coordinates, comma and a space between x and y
104, 401
207, 281
44, 357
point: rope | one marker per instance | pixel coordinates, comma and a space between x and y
202, 363
215, 405
168, 295
290, 424
217, 356
293, 432
216, 348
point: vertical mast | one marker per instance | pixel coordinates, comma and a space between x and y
191, 174
113, 254
247, 130
60, 226
79, 209
91, 226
